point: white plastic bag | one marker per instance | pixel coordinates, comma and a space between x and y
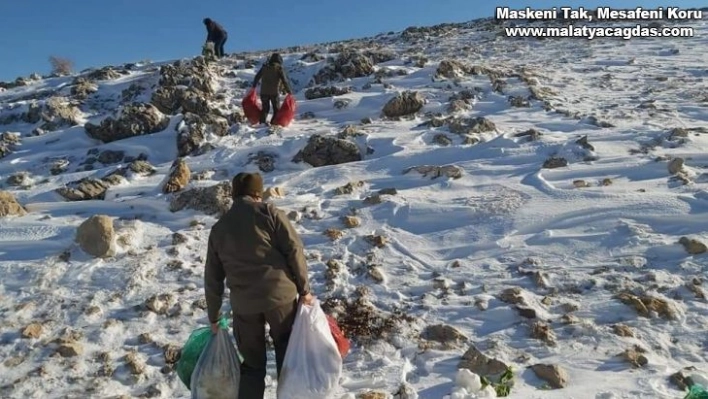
312, 365
218, 372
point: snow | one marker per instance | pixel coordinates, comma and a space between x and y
476, 233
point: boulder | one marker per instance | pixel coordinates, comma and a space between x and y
134, 120
179, 177
403, 104
210, 200
348, 64
555, 376
324, 151
9, 205
96, 236
322, 92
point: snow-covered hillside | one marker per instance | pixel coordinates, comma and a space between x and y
463, 197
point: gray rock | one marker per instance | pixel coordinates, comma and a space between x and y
324, 151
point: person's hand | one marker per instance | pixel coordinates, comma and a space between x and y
307, 299
214, 328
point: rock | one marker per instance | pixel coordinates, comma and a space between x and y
351, 221
172, 353
645, 305
168, 99
580, 184
532, 134
295, 216
622, 330
191, 132
443, 334
388, 191
554, 162
83, 88
373, 200
105, 73
348, 188
58, 113
372, 395
134, 363
681, 379
194, 74
334, 234
606, 182
470, 125
676, 165
519, 102
70, 349
555, 376
179, 177
9, 205
583, 142
543, 332
160, 304
322, 92
482, 365
273, 192
134, 120
86, 189
109, 157
141, 167
442, 139
324, 151
210, 200
458, 106
376, 240
265, 161
693, 246
96, 236
32, 331
450, 69
348, 65
405, 391
449, 171
635, 357
19, 179
403, 104
678, 133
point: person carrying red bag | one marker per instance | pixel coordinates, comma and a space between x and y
272, 77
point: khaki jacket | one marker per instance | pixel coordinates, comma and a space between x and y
271, 77
255, 248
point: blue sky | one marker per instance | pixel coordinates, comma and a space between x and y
102, 32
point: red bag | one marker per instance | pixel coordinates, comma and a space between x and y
252, 107
286, 113
342, 342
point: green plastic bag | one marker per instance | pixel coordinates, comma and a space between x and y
697, 392
193, 348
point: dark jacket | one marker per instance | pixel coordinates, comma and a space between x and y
272, 75
256, 249
215, 32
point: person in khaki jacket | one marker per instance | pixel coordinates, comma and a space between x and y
272, 76
257, 251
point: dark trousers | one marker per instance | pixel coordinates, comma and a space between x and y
219, 47
266, 102
249, 331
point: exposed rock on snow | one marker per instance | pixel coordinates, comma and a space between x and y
33, 331
210, 200
324, 151
273, 192
105, 73
322, 92
96, 236
347, 65
9, 205
556, 377
133, 120
482, 365
8, 143
645, 305
88, 188
83, 88
178, 178
444, 334
405, 103
449, 171
555, 162
264, 160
